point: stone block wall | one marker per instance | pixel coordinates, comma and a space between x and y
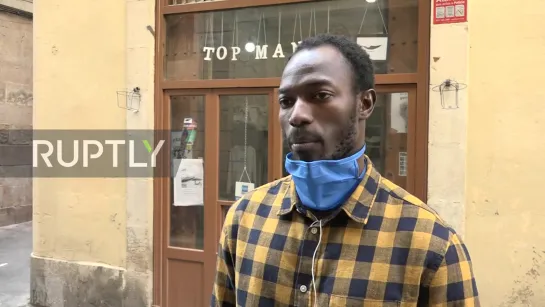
15, 116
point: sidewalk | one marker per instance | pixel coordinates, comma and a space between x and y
15, 249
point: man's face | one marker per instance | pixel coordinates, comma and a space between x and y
322, 116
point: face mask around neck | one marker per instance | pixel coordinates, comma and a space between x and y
325, 184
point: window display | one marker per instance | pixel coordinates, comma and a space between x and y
256, 42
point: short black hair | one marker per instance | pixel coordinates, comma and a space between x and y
359, 60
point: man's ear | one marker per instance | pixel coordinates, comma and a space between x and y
367, 103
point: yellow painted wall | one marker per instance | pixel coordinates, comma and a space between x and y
447, 123
493, 143
84, 53
505, 150
80, 63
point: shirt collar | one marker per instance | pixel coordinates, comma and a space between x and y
358, 205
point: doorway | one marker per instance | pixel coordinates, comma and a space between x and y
216, 138
232, 135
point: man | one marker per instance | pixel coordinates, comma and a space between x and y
334, 232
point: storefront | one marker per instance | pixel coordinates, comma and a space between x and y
112, 237
218, 66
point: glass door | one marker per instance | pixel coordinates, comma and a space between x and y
221, 145
248, 136
188, 135
244, 142
188, 249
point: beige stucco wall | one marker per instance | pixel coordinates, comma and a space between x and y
83, 55
505, 150
485, 166
78, 69
447, 122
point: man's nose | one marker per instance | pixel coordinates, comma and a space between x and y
301, 114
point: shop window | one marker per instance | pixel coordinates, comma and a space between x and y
187, 161
386, 137
255, 42
244, 130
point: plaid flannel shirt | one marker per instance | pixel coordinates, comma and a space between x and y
382, 248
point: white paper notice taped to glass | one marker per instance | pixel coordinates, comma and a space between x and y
188, 183
242, 188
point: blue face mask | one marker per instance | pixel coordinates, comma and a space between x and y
325, 184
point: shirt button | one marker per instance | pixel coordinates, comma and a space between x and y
314, 230
303, 288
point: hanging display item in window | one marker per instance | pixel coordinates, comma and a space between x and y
243, 187
189, 175
376, 45
237, 164
251, 120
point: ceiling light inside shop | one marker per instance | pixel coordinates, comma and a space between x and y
250, 47
371, 1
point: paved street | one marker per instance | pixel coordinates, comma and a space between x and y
15, 249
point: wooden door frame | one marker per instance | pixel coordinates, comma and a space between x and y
420, 79
213, 214
163, 199
212, 204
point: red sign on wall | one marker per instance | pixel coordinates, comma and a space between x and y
449, 11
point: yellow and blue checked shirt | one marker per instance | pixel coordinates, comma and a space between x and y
382, 248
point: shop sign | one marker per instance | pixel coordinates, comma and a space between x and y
261, 52
449, 11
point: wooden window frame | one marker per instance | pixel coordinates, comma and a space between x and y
418, 80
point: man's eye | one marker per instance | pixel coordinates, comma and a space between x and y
284, 103
323, 96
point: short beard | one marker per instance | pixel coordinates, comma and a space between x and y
348, 138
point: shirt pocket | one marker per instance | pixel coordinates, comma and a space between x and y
345, 301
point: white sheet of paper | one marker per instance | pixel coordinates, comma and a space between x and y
242, 188
188, 183
376, 47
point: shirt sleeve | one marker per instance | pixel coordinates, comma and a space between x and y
453, 284
224, 284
